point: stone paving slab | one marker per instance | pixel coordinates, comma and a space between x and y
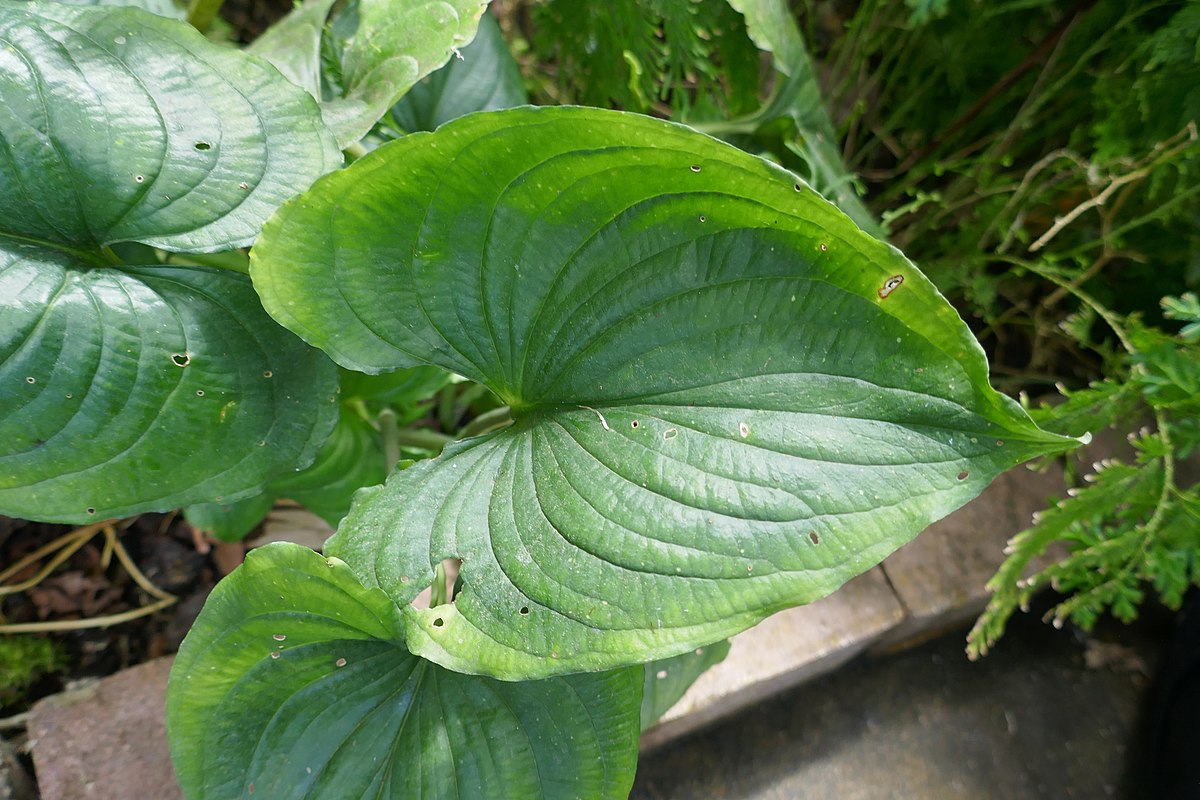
107, 741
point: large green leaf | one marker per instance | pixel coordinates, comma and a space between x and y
485, 78
295, 683
667, 680
119, 125
145, 389
727, 398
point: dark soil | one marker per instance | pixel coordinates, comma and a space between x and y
84, 587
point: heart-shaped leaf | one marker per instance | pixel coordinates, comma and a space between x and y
728, 399
294, 683
145, 389
120, 125
485, 77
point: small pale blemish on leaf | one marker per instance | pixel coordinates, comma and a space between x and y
662, 673
812, 537
91, 511
962, 476
279, 637
141, 179
181, 359
823, 247
439, 622
31, 379
743, 429
262, 442
404, 579
199, 393
69, 395
243, 185
275, 654
267, 373
120, 40
999, 443
703, 218
341, 662
603, 421
695, 167
634, 424
554, 654
890, 285
670, 433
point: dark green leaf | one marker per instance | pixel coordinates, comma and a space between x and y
145, 389
666, 680
484, 78
727, 398
295, 683
120, 125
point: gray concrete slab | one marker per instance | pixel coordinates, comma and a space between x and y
1032, 721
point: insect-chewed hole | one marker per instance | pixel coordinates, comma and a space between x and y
962, 476
203, 146
439, 622
812, 537
199, 393
524, 611
181, 359
634, 424
91, 511
695, 168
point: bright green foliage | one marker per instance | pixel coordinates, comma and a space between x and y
1128, 526
23, 660
378, 50
484, 77
727, 399
140, 387
667, 679
295, 683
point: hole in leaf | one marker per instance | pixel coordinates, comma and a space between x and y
91, 510
796, 186
275, 654
524, 611
824, 247
695, 167
31, 379
203, 146
341, 662
199, 393
139, 178
181, 359
812, 537
634, 424
703, 218
743, 429
439, 622
962, 476
890, 285
267, 373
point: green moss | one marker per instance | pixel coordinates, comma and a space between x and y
24, 659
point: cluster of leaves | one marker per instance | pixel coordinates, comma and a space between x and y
1129, 526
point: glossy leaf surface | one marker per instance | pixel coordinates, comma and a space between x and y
120, 125
484, 77
145, 389
728, 399
295, 683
